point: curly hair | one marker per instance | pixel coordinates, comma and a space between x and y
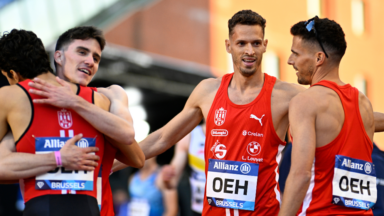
246, 17
23, 52
329, 33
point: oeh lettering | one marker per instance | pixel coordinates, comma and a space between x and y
354, 185
227, 186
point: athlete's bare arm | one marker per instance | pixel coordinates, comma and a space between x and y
131, 155
282, 94
195, 109
379, 121
116, 124
302, 117
169, 197
171, 174
14, 166
119, 130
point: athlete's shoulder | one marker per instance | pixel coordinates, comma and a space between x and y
209, 84
113, 92
287, 90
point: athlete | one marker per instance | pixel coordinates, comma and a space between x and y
22, 58
191, 149
76, 55
246, 115
148, 196
332, 126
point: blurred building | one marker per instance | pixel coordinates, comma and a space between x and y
159, 50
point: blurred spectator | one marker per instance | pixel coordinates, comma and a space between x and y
378, 161
191, 149
148, 196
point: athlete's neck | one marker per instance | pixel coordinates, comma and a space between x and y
242, 83
330, 73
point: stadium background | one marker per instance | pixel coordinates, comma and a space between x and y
158, 50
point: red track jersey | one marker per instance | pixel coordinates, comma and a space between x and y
242, 153
351, 145
48, 131
104, 192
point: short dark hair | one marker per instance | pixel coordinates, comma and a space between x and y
329, 33
246, 17
23, 52
81, 33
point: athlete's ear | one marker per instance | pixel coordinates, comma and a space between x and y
15, 76
320, 58
228, 46
59, 57
265, 43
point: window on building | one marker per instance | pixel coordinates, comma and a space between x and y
313, 8
360, 83
270, 64
357, 19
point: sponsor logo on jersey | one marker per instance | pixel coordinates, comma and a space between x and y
253, 148
219, 150
245, 168
258, 119
65, 118
336, 200
83, 143
250, 133
220, 115
40, 184
367, 168
219, 132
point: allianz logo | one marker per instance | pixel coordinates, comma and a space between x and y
219, 132
224, 166
53, 143
250, 133
348, 163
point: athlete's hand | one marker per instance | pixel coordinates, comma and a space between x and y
76, 158
59, 96
167, 174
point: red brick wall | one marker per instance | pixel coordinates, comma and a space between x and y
174, 28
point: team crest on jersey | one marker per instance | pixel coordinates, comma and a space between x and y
220, 115
65, 118
253, 148
219, 150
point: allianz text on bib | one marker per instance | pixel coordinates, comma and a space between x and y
232, 184
60, 178
354, 183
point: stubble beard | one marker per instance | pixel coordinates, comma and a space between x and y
307, 78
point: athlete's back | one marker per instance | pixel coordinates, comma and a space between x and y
342, 170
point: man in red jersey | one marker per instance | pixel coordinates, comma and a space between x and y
332, 125
76, 60
22, 58
246, 115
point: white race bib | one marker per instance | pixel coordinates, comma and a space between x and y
139, 207
232, 184
197, 182
354, 183
60, 178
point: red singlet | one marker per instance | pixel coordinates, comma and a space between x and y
352, 142
48, 129
244, 134
104, 193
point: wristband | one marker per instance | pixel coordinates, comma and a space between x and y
59, 163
